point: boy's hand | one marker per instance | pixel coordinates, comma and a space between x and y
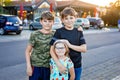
80, 28
29, 71
62, 69
66, 41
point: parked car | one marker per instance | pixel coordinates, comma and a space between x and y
10, 23
36, 24
57, 23
96, 22
83, 22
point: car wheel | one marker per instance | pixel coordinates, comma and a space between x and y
87, 28
18, 32
100, 27
31, 27
2, 31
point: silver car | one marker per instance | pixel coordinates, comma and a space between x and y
83, 22
57, 23
36, 24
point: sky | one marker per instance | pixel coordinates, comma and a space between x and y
99, 2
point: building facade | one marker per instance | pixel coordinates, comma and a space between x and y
33, 9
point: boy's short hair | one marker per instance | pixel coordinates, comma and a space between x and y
68, 11
47, 15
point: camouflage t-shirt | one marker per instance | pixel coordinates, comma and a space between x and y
40, 55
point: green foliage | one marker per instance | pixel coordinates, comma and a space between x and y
112, 16
7, 2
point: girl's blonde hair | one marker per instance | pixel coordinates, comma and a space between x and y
66, 47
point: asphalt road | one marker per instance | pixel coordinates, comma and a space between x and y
102, 60
108, 43
102, 47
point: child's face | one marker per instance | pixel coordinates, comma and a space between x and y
69, 21
47, 24
60, 49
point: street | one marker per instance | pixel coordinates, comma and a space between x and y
100, 62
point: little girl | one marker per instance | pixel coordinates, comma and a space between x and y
61, 50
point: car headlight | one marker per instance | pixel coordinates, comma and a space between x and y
21, 27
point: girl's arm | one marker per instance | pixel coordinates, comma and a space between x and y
27, 55
72, 73
60, 66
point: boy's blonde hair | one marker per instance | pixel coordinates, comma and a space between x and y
47, 15
66, 47
68, 11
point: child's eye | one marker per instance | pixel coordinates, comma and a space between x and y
50, 20
45, 21
71, 17
66, 18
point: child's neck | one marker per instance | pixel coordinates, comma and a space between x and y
45, 31
69, 28
62, 57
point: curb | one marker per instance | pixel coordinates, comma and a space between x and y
100, 31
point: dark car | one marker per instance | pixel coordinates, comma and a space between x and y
10, 23
96, 22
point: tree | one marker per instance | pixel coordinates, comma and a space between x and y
112, 15
7, 2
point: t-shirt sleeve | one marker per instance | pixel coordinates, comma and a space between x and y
32, 39
51, 62
70, 63
82, 39
55, 37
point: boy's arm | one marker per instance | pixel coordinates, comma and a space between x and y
72, 73
61, 68
27, 55
81, 48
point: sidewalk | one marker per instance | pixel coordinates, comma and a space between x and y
92, 31
109, 70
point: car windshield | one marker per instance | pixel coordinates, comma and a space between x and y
79, 20
92, 20
14, 19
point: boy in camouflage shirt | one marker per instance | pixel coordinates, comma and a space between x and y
37, 51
